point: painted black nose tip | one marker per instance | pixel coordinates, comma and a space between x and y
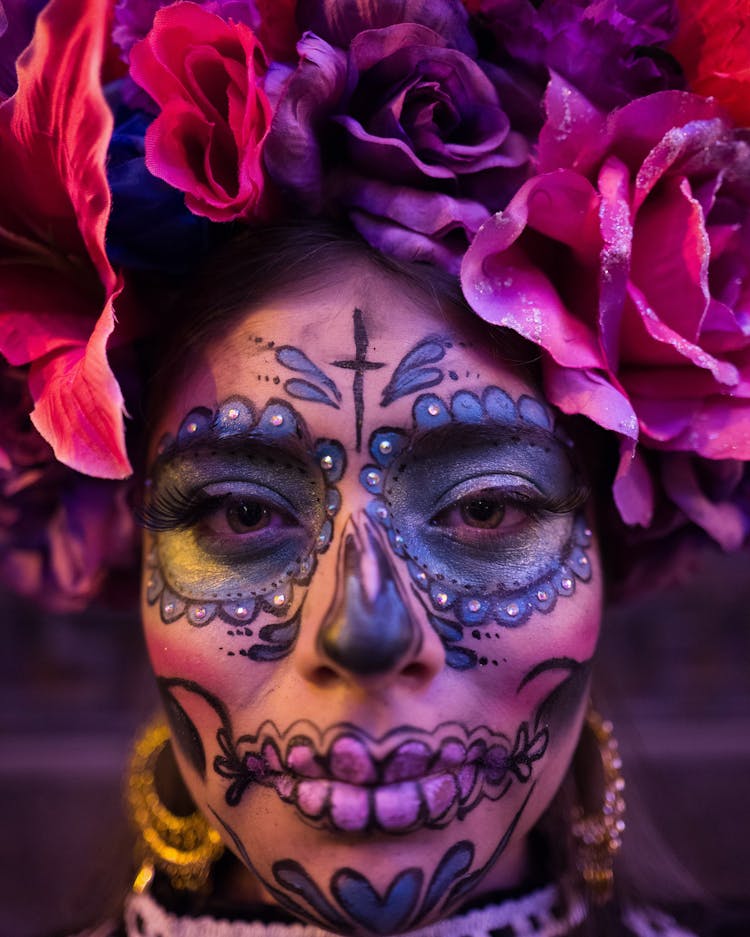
367, 633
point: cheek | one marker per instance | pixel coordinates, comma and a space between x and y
528, 664
214, 656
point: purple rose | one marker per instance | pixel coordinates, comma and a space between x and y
402, 130
339, 21
610, 51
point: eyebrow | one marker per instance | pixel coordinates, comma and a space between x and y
293, 447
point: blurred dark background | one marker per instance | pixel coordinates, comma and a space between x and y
674, 676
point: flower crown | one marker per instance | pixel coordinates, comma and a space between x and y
559, 156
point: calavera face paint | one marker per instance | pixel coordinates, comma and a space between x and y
371, 597
481, 500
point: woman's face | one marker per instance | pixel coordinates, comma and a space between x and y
370, 598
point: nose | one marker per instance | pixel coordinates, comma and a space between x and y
368, 633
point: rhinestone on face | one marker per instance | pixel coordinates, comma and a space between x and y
422, 577
322, 539
566, 583
542, 595
326, 462
433, 409
200, 613
441, 599
584, 561
385, 447
372, 478
587, 532
168, 608
382, 513
474, 605
279, 599
278, 420
240, 612
192, 427
233, 413
331, 507
399, 539
512, 610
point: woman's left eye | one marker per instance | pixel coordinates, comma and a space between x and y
482, 512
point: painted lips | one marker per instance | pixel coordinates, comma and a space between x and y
413, 785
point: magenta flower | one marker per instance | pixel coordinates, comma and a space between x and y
205, 74
404, 132
628, 261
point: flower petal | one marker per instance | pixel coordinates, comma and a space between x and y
79, 405
726, 522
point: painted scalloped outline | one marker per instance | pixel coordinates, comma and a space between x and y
509, 610
236, 416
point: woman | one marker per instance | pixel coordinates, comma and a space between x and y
372, 583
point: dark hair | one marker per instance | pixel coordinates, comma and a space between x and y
263, 262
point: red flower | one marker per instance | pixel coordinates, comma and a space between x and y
712, 46
204, 74
57, 286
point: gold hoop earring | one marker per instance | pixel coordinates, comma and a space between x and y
182, 847
598, 835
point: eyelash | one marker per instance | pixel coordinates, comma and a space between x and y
535, 506
174, 509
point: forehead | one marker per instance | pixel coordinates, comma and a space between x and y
357, 327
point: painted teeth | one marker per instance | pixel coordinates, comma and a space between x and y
301, 759
312, 797
352, 791
439, 794
350, 807
350, 761
409, 761
397, 805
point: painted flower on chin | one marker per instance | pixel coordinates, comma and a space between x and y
401, 129
206, 76
57, 286
628, 261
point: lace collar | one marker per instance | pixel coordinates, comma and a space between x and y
538, 914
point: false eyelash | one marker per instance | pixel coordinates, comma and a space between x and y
537, 506
570, 502
172, 508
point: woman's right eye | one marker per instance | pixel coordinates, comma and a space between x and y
242, 515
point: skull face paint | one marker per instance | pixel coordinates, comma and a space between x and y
344, 752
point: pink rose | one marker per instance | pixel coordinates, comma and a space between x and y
628, 261
206, 75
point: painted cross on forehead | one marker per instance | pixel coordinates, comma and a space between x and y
480, 501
